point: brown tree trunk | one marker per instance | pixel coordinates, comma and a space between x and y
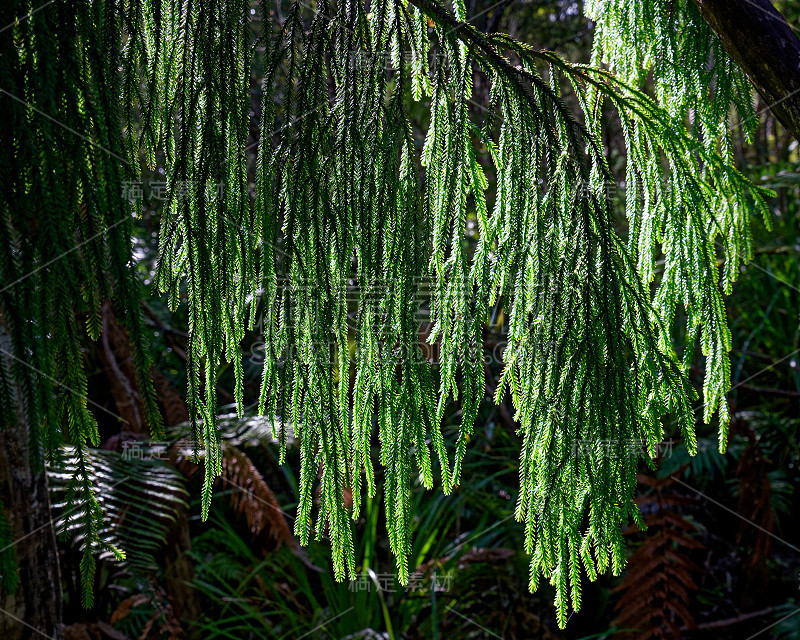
762, 43
34, 609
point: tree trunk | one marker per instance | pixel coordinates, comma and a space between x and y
761, 42
34, 609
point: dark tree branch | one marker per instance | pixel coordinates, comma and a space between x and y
766, 48
770, 390
496, 16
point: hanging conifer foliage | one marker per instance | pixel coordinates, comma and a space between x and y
345, 201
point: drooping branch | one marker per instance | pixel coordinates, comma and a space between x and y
762, 43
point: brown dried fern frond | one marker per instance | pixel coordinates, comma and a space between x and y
658, 581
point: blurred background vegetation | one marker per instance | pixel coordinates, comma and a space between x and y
720, 557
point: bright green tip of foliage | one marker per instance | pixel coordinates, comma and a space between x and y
342, 202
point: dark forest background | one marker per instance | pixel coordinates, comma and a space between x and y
720, 559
